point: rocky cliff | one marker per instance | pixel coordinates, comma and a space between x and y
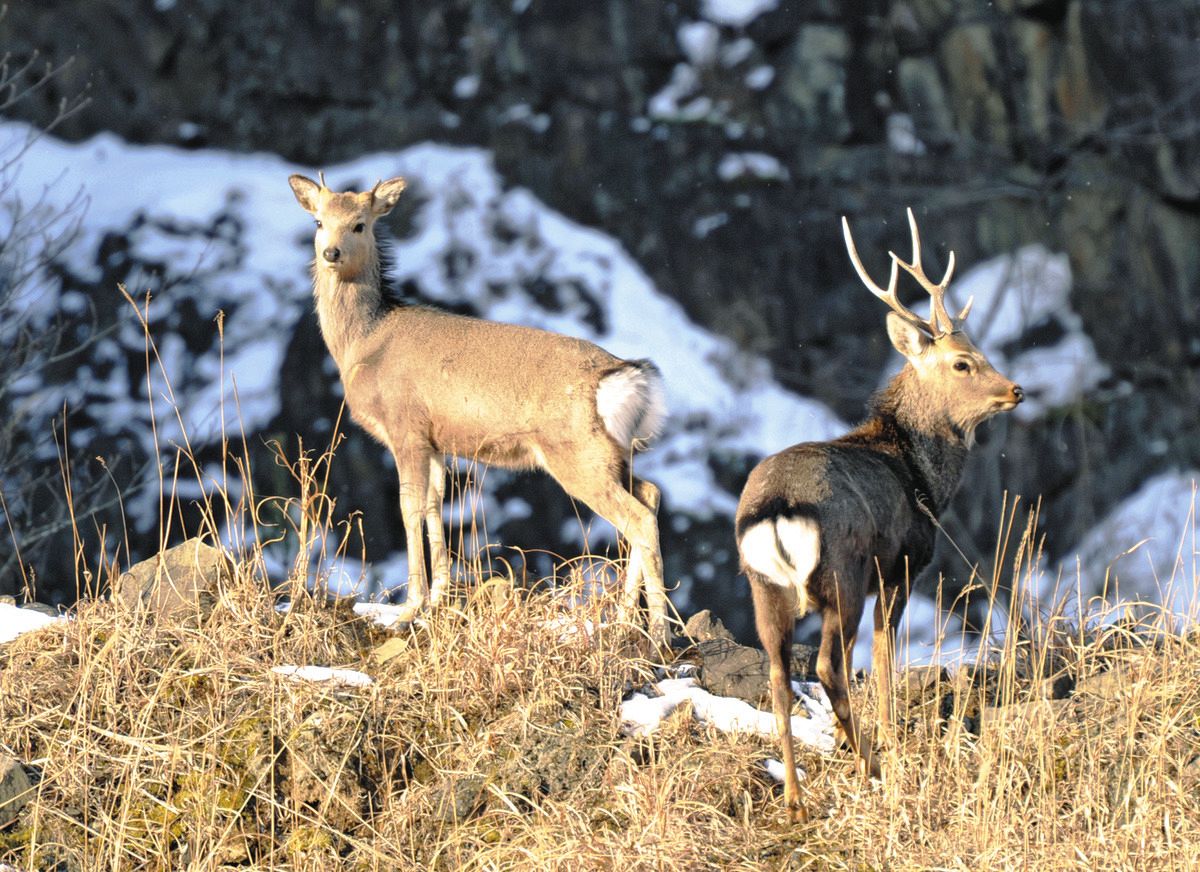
719, 141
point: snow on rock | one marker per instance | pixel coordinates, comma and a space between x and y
677, 100
902, 135
15, 621
755, 164
699, 40
1145, 548
735, 13
325, 674
642, 715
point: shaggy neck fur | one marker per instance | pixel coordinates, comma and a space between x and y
922, 432
349, 309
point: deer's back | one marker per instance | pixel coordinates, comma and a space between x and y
479, 388
861, 497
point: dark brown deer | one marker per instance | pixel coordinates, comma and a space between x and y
427, 383
822, 525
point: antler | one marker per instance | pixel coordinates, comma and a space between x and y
321, 176
940, 322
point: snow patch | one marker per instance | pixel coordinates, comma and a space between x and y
755, 164
325, 674
776, 771
735, 13
902, 135
699, 40
642, 715
16, 621
1145, 549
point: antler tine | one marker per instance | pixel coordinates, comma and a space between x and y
940, 321
888, 296
321, 176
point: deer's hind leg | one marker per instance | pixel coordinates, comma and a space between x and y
775, 619
636, 579
439, 559
598, 485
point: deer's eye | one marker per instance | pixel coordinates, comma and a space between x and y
962, 366
359, 227
319, 225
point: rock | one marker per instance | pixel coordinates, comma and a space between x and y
730, 669
1034, 716
1047, 9
969, 58
926, 101
180, 581
1035, 51
1076, 90
1059, 686
41, 609
16, 790
920, 681
1107, 684
814, 81
703, 627
457, 799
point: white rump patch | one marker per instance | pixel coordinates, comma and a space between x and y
632, 404
785, 551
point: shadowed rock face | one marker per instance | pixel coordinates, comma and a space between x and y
1061, 121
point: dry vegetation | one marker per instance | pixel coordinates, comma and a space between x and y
490, 740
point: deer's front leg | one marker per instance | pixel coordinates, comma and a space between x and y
439, 559
412, 462
888, 610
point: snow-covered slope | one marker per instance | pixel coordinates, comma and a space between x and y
1144, 549
219, 231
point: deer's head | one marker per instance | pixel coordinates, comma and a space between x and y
345, 237
956, 379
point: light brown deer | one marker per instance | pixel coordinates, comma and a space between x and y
822, 525
427, 383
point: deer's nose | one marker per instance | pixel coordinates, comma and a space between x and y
1017, 393
332, 254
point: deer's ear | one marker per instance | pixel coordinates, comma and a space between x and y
306, 191
387, 195
909, 339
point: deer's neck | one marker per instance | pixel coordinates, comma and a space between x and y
347, 309
922, 432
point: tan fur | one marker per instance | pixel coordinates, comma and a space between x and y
428, 383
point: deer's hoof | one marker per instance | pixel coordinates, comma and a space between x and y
407, 615
872, 768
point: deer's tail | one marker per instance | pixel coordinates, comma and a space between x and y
632, 403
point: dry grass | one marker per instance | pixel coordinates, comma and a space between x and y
490, 740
